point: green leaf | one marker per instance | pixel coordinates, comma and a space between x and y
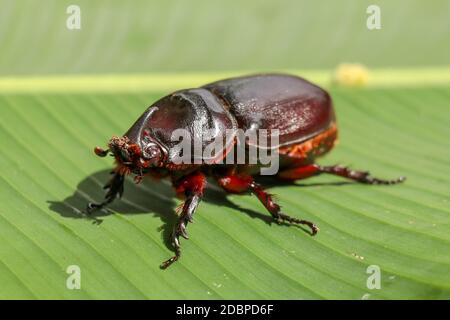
201, 35
48, 173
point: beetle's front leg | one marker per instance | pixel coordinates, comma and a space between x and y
192, 188
115, 189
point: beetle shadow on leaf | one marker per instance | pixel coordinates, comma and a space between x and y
218, 197
147, 198
150, 197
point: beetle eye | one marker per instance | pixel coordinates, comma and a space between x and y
151, 151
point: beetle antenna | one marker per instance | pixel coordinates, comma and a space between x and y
101, 152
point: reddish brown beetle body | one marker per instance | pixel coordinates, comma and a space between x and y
299, 113
294, 106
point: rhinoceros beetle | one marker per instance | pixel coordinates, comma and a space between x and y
300, 112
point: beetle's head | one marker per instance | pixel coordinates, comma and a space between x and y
130, 157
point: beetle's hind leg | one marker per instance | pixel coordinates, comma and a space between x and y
240, 183
192, 188
115, 190
359, 176
306, 171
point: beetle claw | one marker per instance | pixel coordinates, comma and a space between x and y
168, 262
314, 229
176, 244
281, 217
371, 180
91, 207
176, 241
182, 231
179, 230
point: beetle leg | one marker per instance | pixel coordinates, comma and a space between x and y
192, 188
115, 189
300, 172
274, 209
241, 183
360, 176
303, 172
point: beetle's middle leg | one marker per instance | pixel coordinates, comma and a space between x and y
241, 183
305, 171
191, 187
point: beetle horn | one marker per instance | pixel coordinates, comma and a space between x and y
101, 152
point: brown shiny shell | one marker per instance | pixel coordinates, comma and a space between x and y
195, 111
297, 108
